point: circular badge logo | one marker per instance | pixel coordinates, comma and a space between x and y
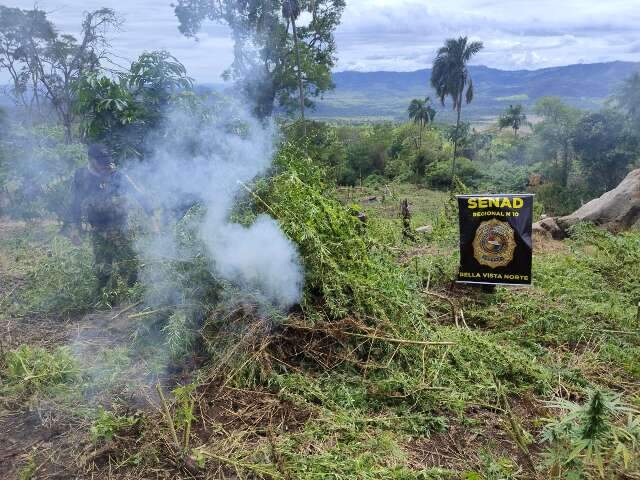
494, 243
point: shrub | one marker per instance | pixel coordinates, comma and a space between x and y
559, 200
63, 282
438, 175
504, 177
374, 180
34, 369
107, 424
38, 168
346, 269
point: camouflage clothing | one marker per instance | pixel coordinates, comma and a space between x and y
100, 199
113, 254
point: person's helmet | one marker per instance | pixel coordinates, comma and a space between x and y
100, 154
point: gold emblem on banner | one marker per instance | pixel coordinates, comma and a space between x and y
494, 243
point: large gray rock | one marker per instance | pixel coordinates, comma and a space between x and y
616, 210
548, 228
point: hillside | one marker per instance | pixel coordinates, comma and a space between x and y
460, 384
385, 95
362, 96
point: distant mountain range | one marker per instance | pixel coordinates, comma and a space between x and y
362, 96
386, 95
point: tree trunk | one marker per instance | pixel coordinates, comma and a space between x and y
300, 86
67, 123
455, 144
565, 165
68, 136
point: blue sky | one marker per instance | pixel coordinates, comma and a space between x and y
396, 34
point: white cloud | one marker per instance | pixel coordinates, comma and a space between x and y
517, 34
397, 34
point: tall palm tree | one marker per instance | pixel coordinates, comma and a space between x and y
450, 78
291, 11
422, 113
513, 118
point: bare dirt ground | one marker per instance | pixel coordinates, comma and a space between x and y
46, 440
23, 431
31, 429
40, 430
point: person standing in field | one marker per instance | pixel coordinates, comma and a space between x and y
99, 197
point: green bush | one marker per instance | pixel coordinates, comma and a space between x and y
35, 369
559, 200
107, 424
438, 175
62, 282
38, 168
504, 177
346, 270
374, 180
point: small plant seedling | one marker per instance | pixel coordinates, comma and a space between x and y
108, 424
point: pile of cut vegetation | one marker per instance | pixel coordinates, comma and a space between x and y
384, 370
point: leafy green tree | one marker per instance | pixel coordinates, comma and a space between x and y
504, 177
405, 161
366, 151
450, 78
107, 108
513, 118
422, 113
556, 132
480, 145
154, 79
21, 33
605, 147
265, 54
120, 112
627, 97
459, 135
291, 11
437, 174
51, 63
320, 141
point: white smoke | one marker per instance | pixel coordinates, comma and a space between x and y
258, 256
208, 158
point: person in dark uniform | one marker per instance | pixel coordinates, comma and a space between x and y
100, 194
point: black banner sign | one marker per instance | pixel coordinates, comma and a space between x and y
495, 239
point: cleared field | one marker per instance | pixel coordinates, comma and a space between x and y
465, 393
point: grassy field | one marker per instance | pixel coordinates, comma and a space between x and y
540, 382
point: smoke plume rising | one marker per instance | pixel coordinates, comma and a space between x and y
205, 159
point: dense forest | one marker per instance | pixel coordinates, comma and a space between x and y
294, 313
566, 156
